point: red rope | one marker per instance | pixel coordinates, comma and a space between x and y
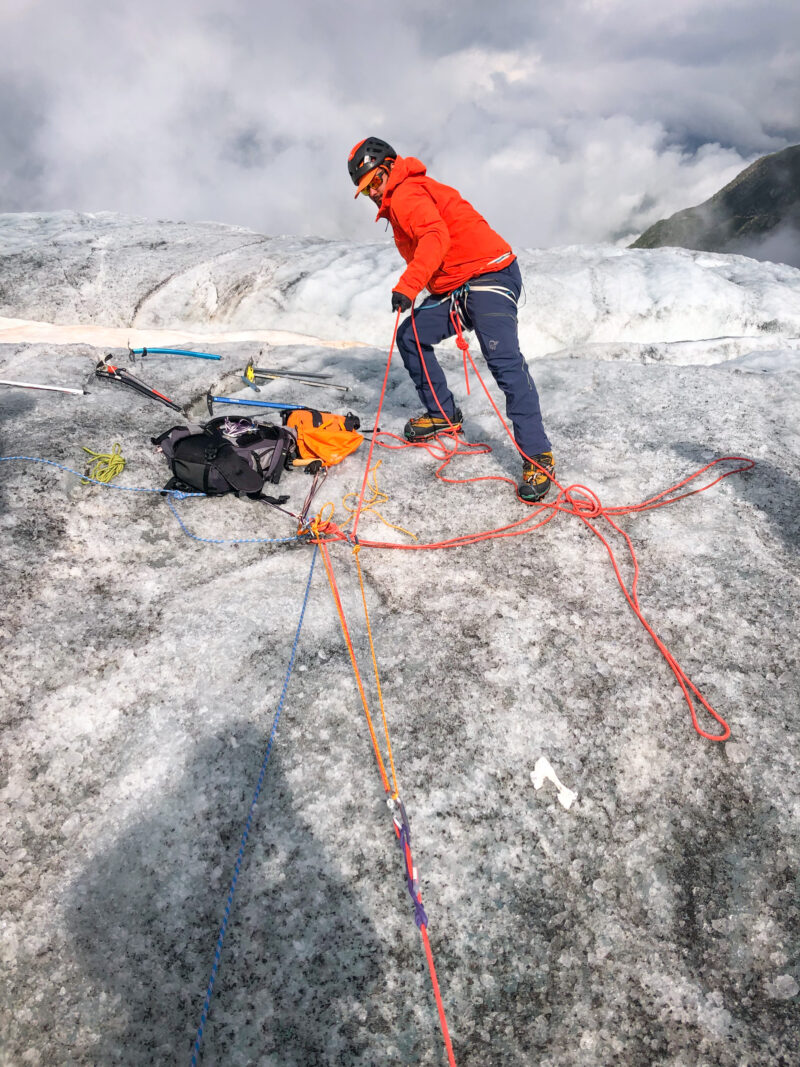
407, 857
375, 428
439, 1005
423, 929
576, 500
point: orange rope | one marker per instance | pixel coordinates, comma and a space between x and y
317, 528
396, 792
326, 559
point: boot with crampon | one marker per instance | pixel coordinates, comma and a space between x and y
423, 427
535, 481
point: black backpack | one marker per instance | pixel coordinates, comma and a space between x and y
227, 456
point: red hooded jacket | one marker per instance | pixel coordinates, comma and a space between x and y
438, 233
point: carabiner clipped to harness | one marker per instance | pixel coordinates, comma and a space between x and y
460, 321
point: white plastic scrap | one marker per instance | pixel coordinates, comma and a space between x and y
543, 772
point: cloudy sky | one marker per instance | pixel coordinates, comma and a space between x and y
564, 121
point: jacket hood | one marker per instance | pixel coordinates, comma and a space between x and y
404, 167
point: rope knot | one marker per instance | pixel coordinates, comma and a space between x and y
585, 503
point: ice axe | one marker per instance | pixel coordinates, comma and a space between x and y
211, 400
252, 373
110, 373
170, 352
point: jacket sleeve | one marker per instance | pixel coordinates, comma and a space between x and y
417, 215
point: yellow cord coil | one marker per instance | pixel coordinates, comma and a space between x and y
378, 497
103, 466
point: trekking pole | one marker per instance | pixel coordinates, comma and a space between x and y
48, 388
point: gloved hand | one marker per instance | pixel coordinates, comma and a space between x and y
400, 301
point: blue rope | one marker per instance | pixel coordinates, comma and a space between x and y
222, 540
246, 833
105, 485
171, 494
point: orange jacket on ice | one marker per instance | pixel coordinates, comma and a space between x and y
438, 233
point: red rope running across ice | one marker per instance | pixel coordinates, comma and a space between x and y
577, 501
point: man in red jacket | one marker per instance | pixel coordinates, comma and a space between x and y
468, 271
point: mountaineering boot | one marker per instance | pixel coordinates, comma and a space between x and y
423, 427
535, 485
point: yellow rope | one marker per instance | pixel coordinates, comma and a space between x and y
378, 497
348, 640
356, 551
315, 526
103, 466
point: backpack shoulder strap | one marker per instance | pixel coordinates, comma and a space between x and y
274, 451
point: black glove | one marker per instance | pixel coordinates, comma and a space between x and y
400, 301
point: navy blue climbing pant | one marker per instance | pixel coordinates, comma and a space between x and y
487, 304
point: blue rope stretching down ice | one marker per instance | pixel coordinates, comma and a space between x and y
171, 494
229, 903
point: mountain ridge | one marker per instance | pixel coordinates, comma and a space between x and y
756, 214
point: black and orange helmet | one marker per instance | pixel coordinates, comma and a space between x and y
366, 157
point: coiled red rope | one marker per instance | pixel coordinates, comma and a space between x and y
578, 501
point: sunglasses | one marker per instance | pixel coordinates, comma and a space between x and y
374, 184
